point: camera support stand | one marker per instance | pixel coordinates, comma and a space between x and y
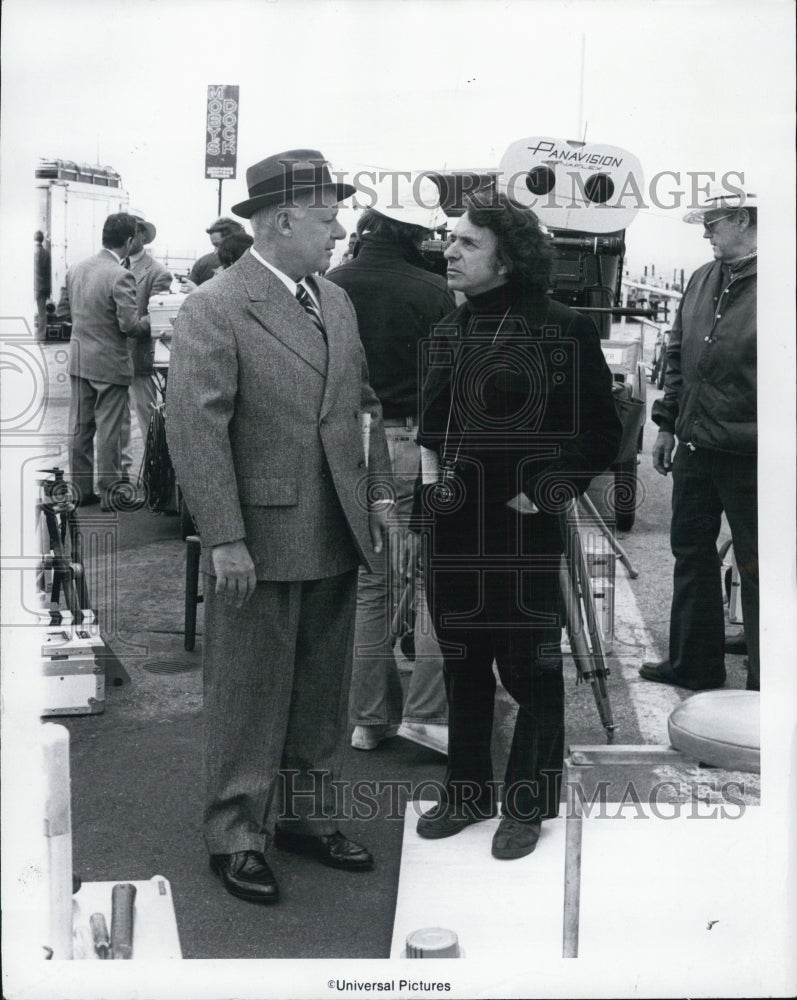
586, 644
62, 546
616, 547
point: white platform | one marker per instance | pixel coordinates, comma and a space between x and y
649, 887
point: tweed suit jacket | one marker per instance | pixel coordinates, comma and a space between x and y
151, 279
264, 424
100, 300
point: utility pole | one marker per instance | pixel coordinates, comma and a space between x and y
581, 128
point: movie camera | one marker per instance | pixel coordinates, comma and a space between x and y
586, 195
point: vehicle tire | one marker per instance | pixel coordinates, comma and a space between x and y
625, 492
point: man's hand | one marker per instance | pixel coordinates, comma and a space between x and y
377, 525
235, 572
662, 452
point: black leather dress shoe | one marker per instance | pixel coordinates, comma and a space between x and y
446, 819
663, 673
333, 849
514, 839
246, 875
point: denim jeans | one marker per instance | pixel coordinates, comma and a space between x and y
376, 693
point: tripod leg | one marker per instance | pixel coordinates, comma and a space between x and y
62, 570
575, 624
618, 550
403, 609
577, 580
76, 544
585, 586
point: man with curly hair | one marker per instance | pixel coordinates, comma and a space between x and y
517, 418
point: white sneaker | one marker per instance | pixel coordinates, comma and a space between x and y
369, 737
433, 735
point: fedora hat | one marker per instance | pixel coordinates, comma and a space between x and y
152, 232
276, 178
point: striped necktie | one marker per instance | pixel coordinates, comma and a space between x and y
309, 306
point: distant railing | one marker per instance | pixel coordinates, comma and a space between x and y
653, 295
177, 265
656, 290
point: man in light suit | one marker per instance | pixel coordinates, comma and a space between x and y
268, 396
99, 299
151, 279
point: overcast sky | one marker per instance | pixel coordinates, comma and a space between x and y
685, 86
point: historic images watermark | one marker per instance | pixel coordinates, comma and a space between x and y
591, 185
315, 795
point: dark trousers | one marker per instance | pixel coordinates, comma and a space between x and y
706, 483
276, 685
521, 632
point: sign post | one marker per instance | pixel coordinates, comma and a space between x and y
221, 134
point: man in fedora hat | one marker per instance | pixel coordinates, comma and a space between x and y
709, 404
152, 278
397, 300
268, 391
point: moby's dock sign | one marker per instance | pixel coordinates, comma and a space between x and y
221, 132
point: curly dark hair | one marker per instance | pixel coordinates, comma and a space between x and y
232, 247
522, 246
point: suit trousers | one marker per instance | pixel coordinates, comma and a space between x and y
144, 397
96, 411
376, 692
517, 627
706, 483
276, 682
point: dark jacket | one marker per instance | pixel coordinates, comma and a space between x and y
152, 278
41, 270
396, 302
205, 268
518, 392
710, 383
